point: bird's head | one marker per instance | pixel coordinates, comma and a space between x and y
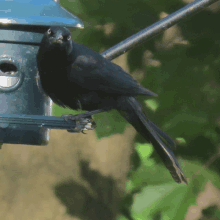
58, 38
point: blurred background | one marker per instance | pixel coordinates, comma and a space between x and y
112, 172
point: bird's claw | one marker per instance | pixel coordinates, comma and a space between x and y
73, 117
82, 124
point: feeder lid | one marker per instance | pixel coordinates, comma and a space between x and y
37, 12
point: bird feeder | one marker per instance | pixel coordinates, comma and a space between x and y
22, 25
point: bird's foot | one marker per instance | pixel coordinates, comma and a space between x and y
76, 117
82, 123
84, 115
84, 119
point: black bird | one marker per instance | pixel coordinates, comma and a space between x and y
75, 76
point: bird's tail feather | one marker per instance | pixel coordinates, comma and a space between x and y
163, 136
131, 110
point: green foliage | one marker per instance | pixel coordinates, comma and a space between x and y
58, 111
212, 212
109, 123
157, 193
187, 107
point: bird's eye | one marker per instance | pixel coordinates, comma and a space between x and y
69, 37
49, 31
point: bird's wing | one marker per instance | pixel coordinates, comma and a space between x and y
92, 71
116, 80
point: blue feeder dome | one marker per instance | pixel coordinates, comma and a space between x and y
22, 25
37, 12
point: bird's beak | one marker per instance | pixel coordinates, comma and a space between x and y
58, 39
55, 41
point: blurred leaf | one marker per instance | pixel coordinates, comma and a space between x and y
193, 122
181, 141
145, 151
171, 199
217, 214
210, 211
135, 162
147, 201
121, 217
152, 104
109, 123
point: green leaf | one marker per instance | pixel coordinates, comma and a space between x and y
152, 104
172, 200
109, 123
121, 217
181, 141
187, 119
145, 151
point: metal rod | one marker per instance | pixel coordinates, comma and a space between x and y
19, 42
52, 122
156, 28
